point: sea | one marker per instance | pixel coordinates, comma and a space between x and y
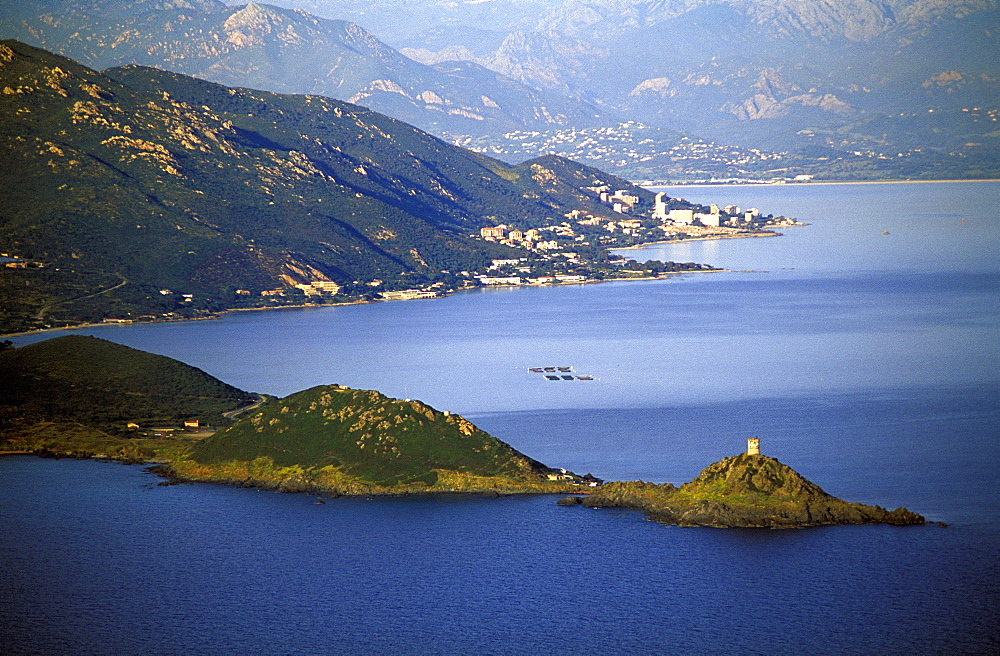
862, 349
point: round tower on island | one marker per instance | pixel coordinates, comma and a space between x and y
753, 446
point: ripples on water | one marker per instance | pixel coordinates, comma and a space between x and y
200, 569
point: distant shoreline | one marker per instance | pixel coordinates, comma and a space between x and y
221, 313
810, 183
705, 238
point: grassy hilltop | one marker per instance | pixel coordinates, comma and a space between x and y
341, 440
74, 395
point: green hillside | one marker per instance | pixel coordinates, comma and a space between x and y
104, 385
744, 491
571, 184
337, 439
74, 396
139, 181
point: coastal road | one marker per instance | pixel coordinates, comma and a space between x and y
233, 414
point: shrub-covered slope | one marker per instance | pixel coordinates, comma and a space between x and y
140, 179
337, 439
104, 385
571, 184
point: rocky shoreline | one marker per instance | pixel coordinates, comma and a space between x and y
306, 485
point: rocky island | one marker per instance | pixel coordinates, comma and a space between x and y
748, 490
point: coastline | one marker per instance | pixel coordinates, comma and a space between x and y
810, 183
218, 315
705, 238
662, 276
221, 313
494, 487
161, 467
212, 317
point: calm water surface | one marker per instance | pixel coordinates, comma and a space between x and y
100, 560
867, 361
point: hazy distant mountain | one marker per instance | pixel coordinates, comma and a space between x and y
265, 47
849, 89
771, 74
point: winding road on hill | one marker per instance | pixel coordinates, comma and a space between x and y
233, 414
45, 309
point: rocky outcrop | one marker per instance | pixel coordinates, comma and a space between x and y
744, 491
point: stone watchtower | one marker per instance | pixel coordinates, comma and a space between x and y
753, 446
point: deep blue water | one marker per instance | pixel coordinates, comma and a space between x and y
868, 362
105, 562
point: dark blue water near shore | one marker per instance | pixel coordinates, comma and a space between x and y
868, 362
200, 569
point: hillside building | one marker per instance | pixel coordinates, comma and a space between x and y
319, 287
660, 207
499, 280
625, 197
623, 202
681, 216
714, 219
491, 233
407, 294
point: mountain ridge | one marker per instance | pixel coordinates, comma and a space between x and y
149, 192
834, 90
694, 67
290, 51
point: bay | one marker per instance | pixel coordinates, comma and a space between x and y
866, 361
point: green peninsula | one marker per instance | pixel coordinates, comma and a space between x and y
748, 490
85, 397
